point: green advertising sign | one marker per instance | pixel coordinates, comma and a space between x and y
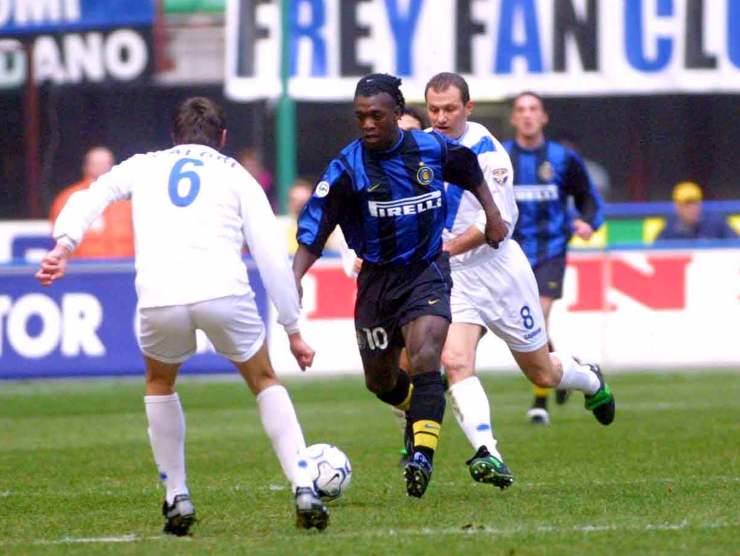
194, 6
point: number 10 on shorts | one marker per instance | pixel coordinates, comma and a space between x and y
372, 338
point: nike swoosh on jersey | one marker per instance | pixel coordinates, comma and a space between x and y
433, 301
373, 187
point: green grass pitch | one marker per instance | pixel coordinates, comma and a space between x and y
76, 473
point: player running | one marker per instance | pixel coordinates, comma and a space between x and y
193, 210
546, 174
494, 289
386, 191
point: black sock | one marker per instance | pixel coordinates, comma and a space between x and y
426, 411
540, 402
400, 393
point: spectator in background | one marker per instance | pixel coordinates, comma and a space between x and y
111, 235
298, 195
251, 159
690, 222
412, 118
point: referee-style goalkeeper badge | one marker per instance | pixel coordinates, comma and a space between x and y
425, 175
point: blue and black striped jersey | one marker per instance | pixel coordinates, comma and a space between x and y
391, 205
544, 179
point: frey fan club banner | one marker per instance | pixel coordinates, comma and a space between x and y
556, 47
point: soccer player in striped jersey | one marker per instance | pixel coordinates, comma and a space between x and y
546, 175
193, 210
386, 191
493, 289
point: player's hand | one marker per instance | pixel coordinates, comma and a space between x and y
357, 266
53, 266
302, 352
582, 229
496, 230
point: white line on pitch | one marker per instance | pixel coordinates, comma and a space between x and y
87, 540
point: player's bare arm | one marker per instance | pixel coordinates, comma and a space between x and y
302, 261
469, 239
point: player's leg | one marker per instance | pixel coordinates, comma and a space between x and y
167, 338
400, 415
562, 371
470, 403
424, 338
527, 339
549, 276
538, 412
280, 422
235, 328
379, 338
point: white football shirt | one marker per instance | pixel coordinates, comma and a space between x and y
464, 210
193, 210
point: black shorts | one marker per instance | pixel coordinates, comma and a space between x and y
389, 297
549, 274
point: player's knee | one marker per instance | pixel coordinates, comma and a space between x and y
543, 376
378, 384
425, 359
457, 365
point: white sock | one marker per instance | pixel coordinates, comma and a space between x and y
473, 413
281, 425
400, 417
575, 376
167, 437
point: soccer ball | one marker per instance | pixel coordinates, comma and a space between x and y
329, 468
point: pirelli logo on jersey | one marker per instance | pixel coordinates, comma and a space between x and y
536, 192
407, 206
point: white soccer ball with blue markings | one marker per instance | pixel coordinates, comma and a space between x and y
330, 469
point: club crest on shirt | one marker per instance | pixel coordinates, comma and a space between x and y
500, 175
545, 171
322, 189
425, 175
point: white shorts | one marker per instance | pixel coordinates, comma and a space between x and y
500, 293
232, 324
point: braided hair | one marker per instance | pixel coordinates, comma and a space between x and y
375, 83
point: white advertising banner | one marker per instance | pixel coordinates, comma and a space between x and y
555, 47
626, 309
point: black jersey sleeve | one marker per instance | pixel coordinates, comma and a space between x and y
321, 214
579, 186
461, 167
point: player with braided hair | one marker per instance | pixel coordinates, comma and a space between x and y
386, 191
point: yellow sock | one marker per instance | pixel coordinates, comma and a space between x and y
406, 403
540, 392
426, 434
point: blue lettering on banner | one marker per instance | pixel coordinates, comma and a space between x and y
310, 30
83, 325
404, 29
507, 49
733, 31
19, 17
634, 31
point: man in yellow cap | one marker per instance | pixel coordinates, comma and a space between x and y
690, 222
